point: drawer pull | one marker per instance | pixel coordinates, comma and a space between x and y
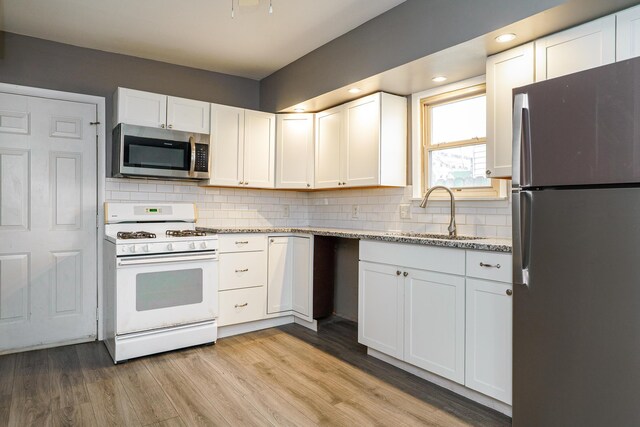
242, 305
398, 273
244, 270
509, 292
482, 264
405, 274
244, 242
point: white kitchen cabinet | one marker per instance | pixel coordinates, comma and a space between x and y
628, 33
242, 148
381, 308
434, 323
294, 151
579, 48
289, 283
488, 338
362, 143
149, 109
505, 71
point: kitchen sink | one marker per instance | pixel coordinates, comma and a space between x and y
437, 236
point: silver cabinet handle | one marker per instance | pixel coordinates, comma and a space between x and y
405, 274
241, 182
398, 273
509, 292
482, 264
246, 183
244, 270
170, 126
242, 305
308, 185
243, 242
162, 125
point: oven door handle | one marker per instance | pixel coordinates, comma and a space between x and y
165, 259
192, 167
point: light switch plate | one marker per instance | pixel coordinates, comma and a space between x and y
355, 211
405, 211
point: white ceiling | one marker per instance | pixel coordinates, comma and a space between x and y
195, 33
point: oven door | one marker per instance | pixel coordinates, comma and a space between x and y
154, 292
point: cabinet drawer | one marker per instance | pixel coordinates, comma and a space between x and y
242, 242
489, 265
242, 270
242, 305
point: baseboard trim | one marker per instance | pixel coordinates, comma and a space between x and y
243, 328
310, 325
49, 345
445, 383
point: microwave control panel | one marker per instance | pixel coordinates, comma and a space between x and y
202, 158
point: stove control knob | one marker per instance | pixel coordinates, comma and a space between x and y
170, 246
145, 248
203, 245
132, 248
192, 245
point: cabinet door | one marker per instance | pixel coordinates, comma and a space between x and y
187, 115
576, 49
505, 71
294, 151
259, 149
381, 308
434, 323
488, 346
279, 280
628, 33
140, 108
227, 136
302, 277
328, 142
361, 146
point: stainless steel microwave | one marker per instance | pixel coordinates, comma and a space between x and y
159, 153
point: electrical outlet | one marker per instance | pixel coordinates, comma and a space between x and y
405, 211
285, 211
355, 211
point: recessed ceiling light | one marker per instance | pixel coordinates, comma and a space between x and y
503, 38
439, 79
299, 110
355, 90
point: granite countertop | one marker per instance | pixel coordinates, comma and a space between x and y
477, 243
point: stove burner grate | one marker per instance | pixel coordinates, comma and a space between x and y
185, 233
135, 235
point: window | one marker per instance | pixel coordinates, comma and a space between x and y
454, 142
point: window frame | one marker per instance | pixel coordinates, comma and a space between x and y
421, 130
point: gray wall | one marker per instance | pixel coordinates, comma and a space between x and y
410, 31
30, 61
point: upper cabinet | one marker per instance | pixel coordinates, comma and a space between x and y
154, 110
294, 151
242, 147
628, 33
362, 143
576, 49
505, 71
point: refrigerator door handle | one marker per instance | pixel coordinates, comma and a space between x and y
521, 237
520, 106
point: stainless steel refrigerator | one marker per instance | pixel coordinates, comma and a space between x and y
576, 249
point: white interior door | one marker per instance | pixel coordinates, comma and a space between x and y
48, 279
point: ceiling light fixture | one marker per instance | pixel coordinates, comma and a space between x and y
270, 7
355, 90
439, 79
233, 14
503, 38
250, 3
299, 110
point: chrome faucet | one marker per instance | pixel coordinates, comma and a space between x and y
452, 223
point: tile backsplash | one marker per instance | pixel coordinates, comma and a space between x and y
378, 208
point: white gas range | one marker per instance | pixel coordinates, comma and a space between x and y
161, 279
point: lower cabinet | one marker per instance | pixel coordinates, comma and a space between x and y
241, 305
381, 308
289, 276
488, 338
434, 323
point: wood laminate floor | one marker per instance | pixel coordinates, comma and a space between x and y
286, 376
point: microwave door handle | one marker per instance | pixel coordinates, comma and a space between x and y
192, 167
520, 104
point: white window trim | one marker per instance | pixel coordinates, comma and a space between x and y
416, 138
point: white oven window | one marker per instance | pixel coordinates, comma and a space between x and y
169, 289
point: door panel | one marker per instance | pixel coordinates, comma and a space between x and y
280, 286
187, 115
48, 272
361, 155
328, 147
294, 157
227, 136
302, 277
583, 128
259, 149
577, 325
140, 108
